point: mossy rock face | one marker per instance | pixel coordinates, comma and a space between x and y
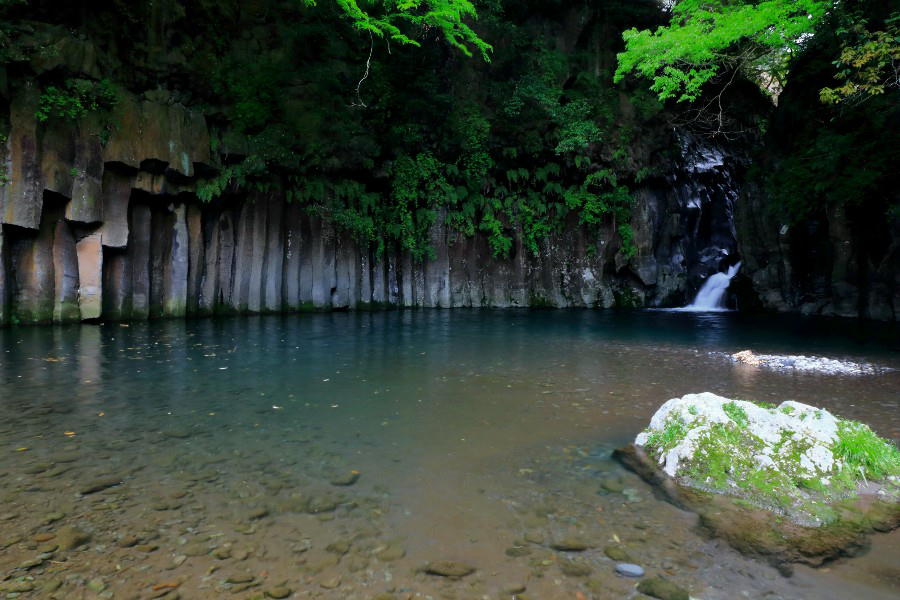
796, 460
769, 535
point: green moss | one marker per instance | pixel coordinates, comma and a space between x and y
865, 454
671, 434
735, 413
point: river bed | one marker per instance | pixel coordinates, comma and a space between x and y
335, 455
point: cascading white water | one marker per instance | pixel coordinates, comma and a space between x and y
711, 296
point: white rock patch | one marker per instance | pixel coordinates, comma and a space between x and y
799, 363
793, 438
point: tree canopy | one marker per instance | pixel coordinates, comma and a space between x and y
708, 37
386, 19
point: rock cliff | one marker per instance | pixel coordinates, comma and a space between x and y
111, 228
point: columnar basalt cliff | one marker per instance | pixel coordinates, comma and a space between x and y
114, 230
101, 217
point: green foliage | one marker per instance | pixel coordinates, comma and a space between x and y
76, 99
867, 455
512, 155
708, 37
446, 16
869, 63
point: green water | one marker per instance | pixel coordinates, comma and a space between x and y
479, 436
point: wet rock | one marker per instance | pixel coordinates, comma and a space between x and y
321, 564
331, 583
128, 541
223, 553
613, 485
617, 553
239, 578
356, 563
58, 470
31, 563
195, 549
35, 468
53, 517
339, 547
629, 570
43, 537
147, 548
657, 587
278, 592
16, 586
449, 568
534, 537
346, 479
69, 538
321, 504
99, 484
570, 544
514, 588
390, 553
96, 585
258, 513
518, 551
574, 568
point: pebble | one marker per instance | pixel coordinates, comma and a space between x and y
617, 554
331, 583
449, 568
657, 587
570, 544
629, 570
31, 563
346, 479
390, 553
258, 513
195, 549
278, 592
99, 484
69, 538
339, 547
613, 485
574, 569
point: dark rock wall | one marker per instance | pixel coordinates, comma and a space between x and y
114, 231
839, 262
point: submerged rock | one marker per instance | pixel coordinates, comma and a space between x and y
449, 568
69, 538
571, 544
657, 587
792, 483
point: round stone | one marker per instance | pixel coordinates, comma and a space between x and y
629, 570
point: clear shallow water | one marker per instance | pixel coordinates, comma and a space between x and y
480, 436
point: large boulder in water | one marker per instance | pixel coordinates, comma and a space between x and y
791, 482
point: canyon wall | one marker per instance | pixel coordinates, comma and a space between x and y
105, 224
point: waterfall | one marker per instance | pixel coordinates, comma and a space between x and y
711, 296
